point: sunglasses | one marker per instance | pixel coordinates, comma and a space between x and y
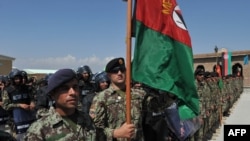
66, 88
117, 69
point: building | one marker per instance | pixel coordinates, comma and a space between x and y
5, 64
209, 60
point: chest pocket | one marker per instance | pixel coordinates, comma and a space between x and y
136, 106
116, 110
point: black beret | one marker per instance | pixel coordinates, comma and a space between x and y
117, 62
59, 77
207, 74
199, 72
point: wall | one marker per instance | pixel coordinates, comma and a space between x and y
209, 60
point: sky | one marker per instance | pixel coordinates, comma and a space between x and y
54, 34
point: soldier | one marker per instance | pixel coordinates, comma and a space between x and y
108, 108
64, 121
20, 101
199, 79
4, 115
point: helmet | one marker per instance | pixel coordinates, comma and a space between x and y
15, 72
99, 77
84, 69
47, 76
2, 79
5, 79
45, 79
24, 75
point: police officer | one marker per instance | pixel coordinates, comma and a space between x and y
43, 102
100, 82
64, 121
84, 74
19, 99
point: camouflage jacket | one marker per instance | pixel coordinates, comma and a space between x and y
108, 110
55, 128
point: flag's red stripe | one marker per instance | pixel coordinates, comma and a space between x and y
158, 15
225, 63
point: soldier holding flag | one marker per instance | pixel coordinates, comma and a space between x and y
108, 108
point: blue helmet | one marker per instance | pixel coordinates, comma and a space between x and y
84, 69
98, 78
15, 72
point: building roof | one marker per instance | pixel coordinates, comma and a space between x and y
212, 55
3, 57
39, 71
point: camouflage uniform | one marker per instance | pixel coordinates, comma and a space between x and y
108, 110
207, 100
4, 116
198, 136
57, 128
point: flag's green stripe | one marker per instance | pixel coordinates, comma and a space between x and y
163, 63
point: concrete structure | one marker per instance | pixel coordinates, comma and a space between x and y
38, 73
5, 64
209, 60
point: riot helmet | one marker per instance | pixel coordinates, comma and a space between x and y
2, 79
24, 76
82, 71
44, 80
15, 74
99, 78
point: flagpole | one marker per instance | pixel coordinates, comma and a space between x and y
128, 62
221, 98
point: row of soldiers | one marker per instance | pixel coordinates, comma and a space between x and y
23, 99
216, 94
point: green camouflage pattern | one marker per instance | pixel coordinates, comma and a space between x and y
108, 110
53, 127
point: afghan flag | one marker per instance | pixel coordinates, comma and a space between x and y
227, 63
163, 57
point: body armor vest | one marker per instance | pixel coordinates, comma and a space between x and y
22, 118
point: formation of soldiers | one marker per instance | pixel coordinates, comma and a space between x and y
23, 100
216, 94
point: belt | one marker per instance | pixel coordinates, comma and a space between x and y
23, 126
157, 114
4, 118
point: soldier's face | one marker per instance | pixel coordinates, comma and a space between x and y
117, 77
66, 96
